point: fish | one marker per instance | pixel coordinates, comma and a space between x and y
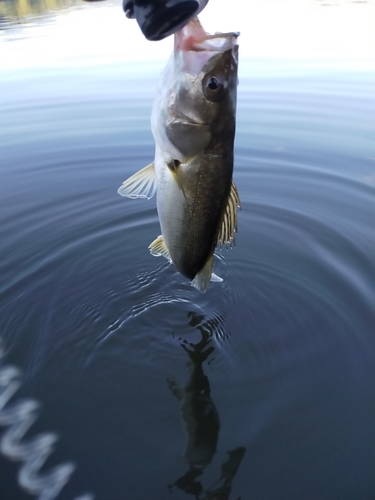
193, 125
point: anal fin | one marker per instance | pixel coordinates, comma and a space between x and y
140, 185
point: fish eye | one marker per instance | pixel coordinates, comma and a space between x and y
214, 87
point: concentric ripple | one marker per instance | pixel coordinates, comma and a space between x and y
107, 336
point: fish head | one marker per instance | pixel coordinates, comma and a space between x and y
200, 92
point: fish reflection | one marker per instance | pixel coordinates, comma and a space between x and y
200, 418
198, 412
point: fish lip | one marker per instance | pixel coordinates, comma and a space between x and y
198, 45
194, 47
192, 37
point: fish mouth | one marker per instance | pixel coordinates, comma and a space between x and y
192, 37
193, 46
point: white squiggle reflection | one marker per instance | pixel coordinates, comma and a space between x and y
19, 417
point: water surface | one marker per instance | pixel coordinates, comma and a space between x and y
260, 388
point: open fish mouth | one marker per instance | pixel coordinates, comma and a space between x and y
194, 37
194, 46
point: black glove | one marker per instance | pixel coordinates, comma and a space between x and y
161, 18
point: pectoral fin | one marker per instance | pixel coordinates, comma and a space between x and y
229, 222
140, 185
175, 167
158, 248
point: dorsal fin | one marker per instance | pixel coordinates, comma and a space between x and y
229, 221
140, 185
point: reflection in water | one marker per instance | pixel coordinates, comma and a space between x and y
18, 418
201, 419
88, 317
198, 412
17, 11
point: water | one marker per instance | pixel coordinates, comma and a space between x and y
262, 387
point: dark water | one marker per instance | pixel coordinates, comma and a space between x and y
262, 388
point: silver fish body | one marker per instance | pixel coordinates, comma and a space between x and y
193, 123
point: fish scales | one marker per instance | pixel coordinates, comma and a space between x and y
204, 207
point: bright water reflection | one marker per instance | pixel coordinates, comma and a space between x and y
260, 388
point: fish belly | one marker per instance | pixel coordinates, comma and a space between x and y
189, 218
